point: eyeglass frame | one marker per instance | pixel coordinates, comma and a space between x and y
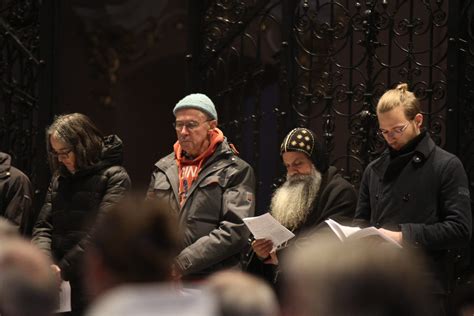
399, 130
187, 125
62, 155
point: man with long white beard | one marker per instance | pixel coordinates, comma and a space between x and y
312, 193
292, 202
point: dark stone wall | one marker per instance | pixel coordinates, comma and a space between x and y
125, 72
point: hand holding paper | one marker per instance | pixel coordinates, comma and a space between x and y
397, 236
262, 247
267, 227
345, 232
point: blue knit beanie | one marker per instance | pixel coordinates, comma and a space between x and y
197, 101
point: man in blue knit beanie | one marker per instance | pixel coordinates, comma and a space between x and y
210, 188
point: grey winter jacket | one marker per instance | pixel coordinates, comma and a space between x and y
211, 216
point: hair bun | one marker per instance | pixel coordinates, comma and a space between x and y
402, 87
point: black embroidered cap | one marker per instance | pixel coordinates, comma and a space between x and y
304, 140
299, 139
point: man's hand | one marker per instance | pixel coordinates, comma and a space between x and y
397, 236
176, 273
273, 259
57, 273
262, 248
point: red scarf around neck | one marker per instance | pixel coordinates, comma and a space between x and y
188, 169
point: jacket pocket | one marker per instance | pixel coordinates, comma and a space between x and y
161, 182
161, 186
205, 204
213, 180
161, 189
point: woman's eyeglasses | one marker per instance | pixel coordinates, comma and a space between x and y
63, 154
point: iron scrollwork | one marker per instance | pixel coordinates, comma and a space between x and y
347, 54
238, 65
336, 59
465, 52
19, 68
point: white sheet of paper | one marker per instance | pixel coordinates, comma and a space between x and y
64, 298
344, 232
266, 226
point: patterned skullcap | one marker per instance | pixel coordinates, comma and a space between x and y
299, 139
304, 140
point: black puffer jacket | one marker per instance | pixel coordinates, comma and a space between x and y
73, 203
16, 195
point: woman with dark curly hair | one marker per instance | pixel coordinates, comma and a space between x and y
88, 178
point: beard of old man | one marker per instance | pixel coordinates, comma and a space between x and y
293, 201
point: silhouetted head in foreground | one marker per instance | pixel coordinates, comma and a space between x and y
241, 294
27, 284
357, 277
136, 241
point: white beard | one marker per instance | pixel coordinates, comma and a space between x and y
292, 202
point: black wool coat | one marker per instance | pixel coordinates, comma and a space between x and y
426, 198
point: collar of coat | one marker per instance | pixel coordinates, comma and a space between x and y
223, 150
421, 153
222, 157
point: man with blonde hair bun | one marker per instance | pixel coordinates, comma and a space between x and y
416, 192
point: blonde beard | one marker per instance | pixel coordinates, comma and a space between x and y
292, 202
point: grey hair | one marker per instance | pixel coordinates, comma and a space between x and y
81, 134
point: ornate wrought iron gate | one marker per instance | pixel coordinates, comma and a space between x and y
271, 65
25, 83
19, 43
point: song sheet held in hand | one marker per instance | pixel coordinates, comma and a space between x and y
267, 227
